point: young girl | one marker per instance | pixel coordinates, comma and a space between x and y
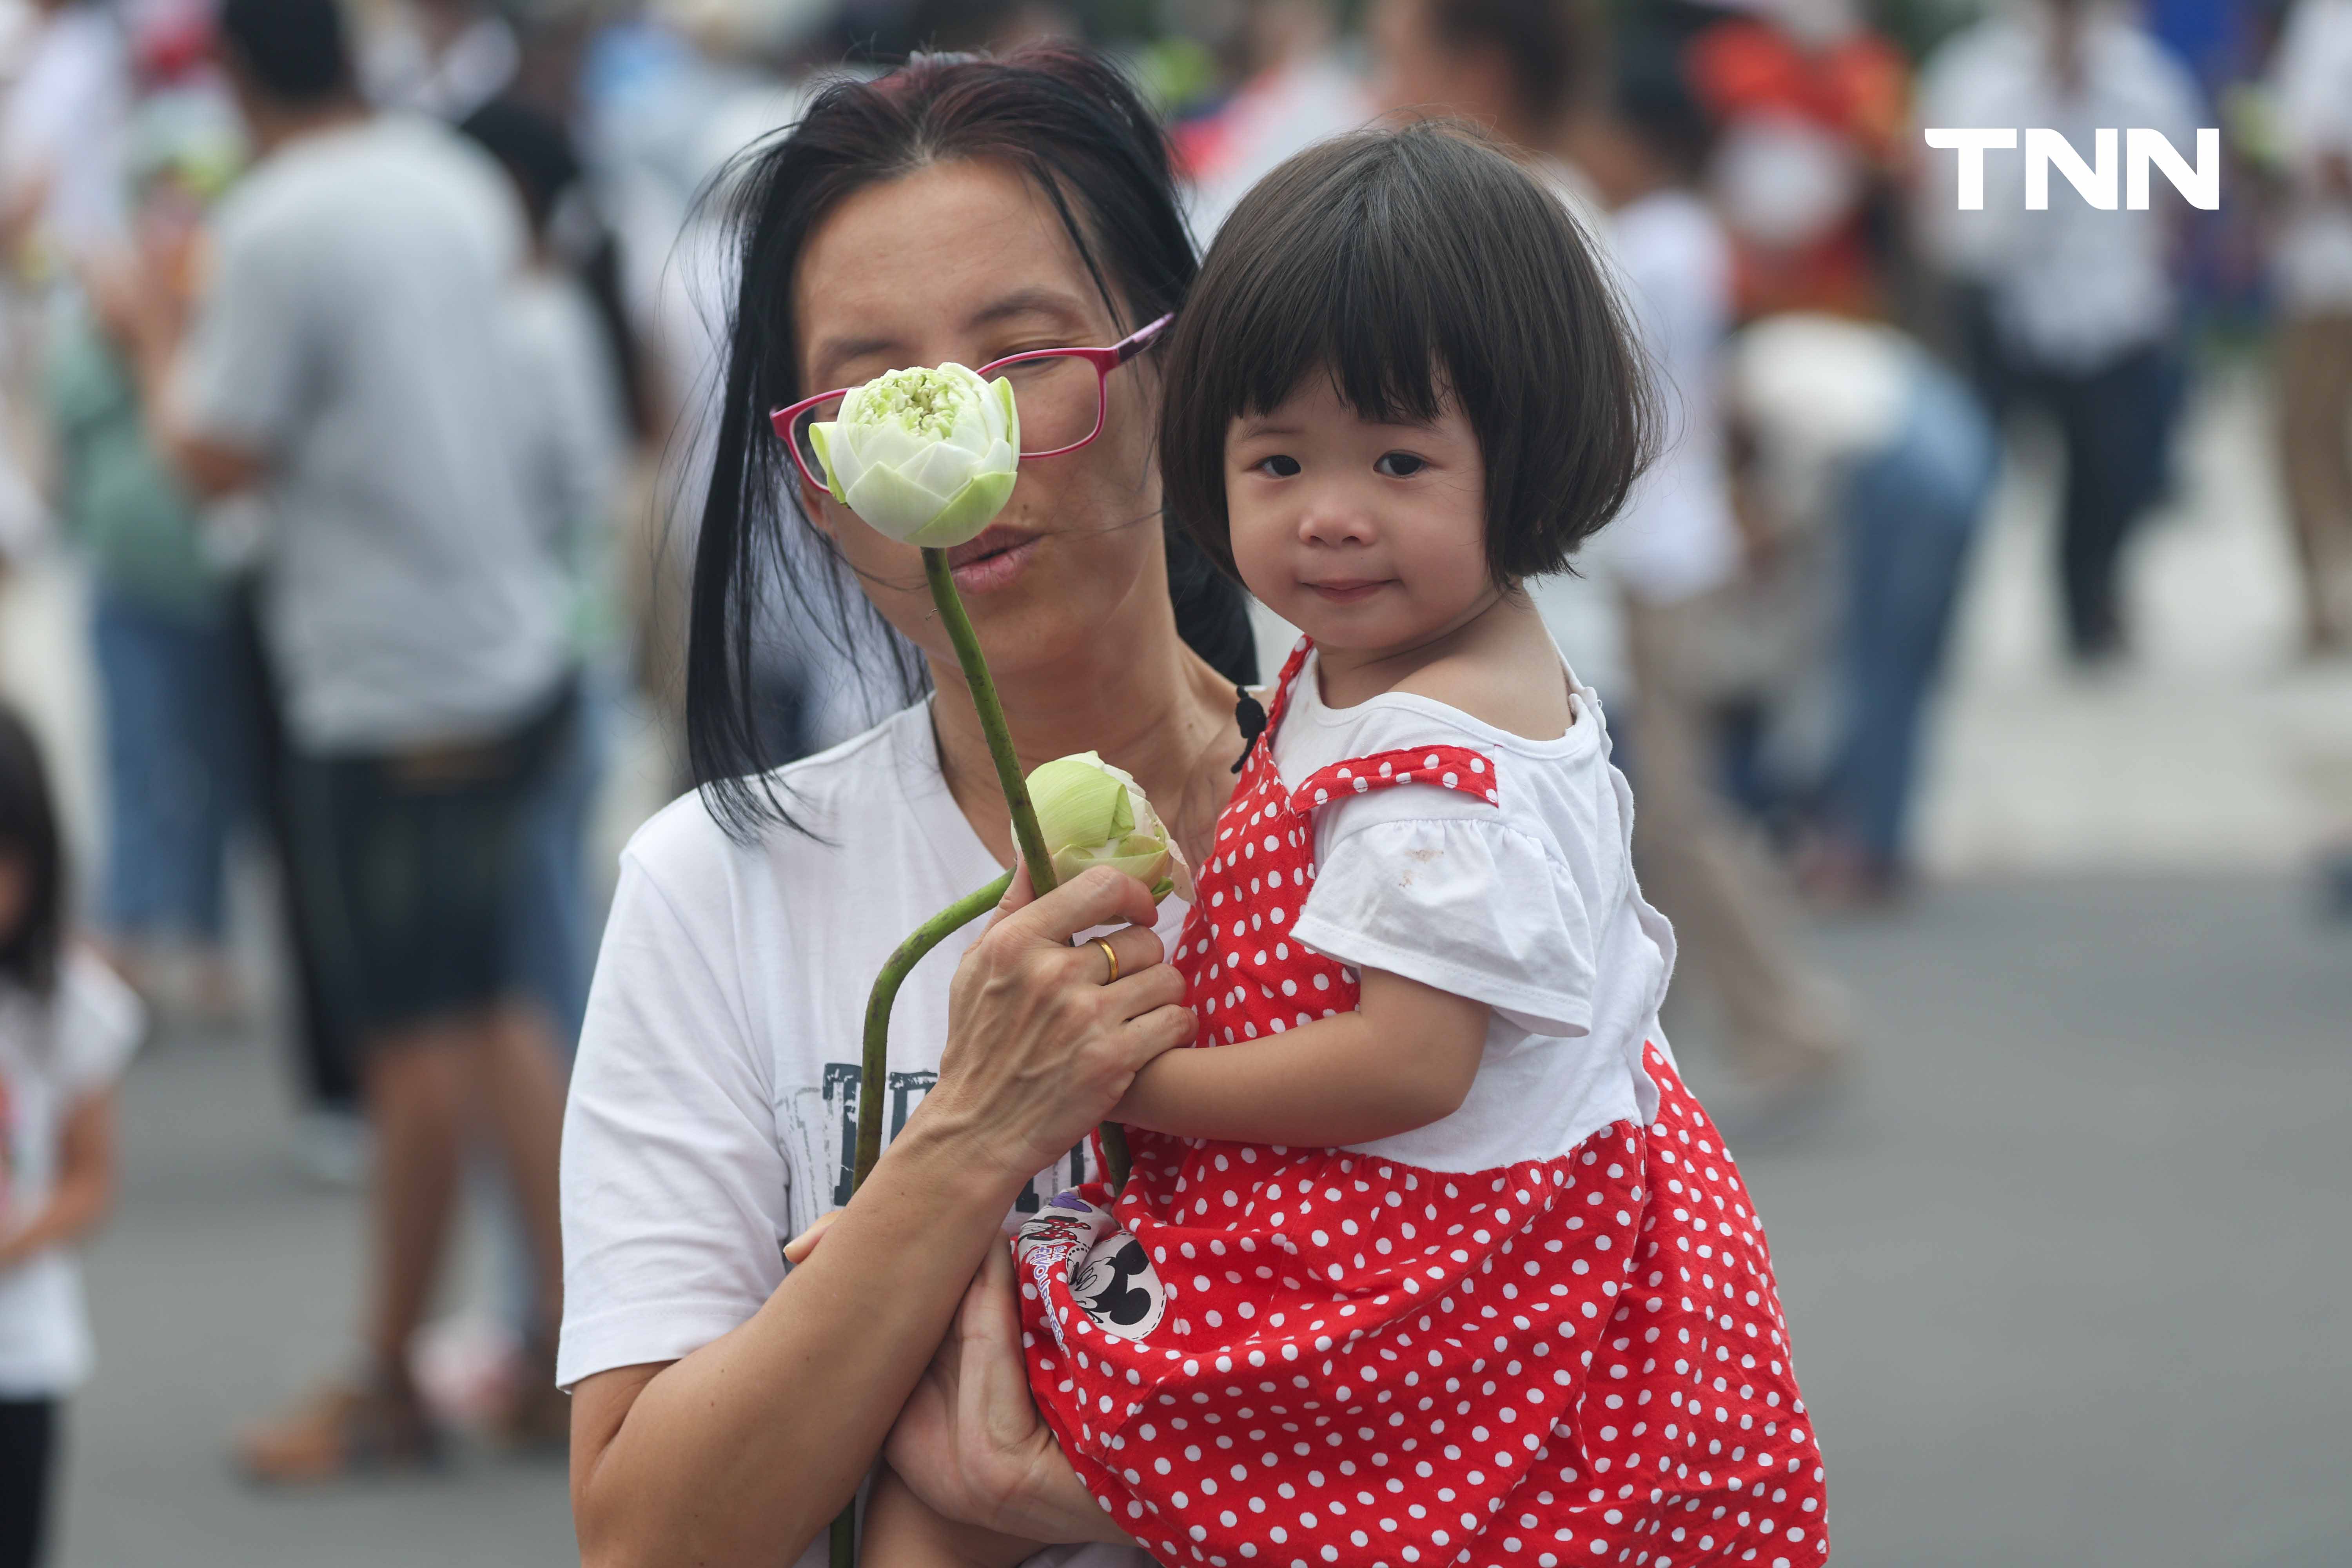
67, 1027
1433, 1259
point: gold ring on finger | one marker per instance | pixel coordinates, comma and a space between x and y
1110, 953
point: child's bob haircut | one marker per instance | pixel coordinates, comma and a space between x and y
1408, 265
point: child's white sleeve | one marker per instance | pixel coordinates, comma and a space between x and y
1461, 902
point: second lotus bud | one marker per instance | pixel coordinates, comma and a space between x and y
1092, 814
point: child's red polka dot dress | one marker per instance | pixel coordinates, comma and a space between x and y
1541, 1331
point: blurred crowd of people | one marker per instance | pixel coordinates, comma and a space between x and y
362, 367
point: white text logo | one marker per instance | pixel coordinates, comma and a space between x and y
2045, 149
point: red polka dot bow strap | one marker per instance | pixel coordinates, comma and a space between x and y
1447, 767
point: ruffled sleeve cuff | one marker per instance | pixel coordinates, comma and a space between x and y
1469, 906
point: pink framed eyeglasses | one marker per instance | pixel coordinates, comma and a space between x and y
1060, 395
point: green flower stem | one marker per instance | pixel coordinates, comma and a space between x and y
927, 935
1009, 776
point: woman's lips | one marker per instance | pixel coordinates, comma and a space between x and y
993, 559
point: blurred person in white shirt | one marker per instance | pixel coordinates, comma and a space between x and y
2313, 265
62, 137
68, 1027
2072, 308
1627, 617
63, 121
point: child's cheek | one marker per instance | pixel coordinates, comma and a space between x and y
1257, 551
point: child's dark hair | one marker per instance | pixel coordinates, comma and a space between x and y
1411, 266
28, 829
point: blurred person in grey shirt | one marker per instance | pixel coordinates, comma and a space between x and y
351, 363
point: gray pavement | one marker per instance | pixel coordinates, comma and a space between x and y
2068, 1277
2068, 1272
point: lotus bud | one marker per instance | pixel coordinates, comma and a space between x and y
925, 455
1092, 814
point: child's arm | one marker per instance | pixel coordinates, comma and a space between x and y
901, 1531
1402, 1060
84, 1189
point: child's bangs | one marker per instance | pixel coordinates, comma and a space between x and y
1348, 301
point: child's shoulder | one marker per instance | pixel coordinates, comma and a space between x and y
1515, 697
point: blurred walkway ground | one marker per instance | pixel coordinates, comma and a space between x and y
2067, 1275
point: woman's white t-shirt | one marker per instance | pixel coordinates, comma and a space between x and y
718, 1063
54, 1052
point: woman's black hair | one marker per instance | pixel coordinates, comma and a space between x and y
1412, 267
1075, 129
28, 831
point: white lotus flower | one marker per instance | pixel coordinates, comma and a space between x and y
1092, 814
924, 455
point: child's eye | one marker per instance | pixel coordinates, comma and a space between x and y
1399, 465
1277, 466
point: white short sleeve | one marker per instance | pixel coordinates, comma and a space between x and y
1467, 904
243, 376
674, 1178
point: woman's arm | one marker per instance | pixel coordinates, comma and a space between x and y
84, 1189
970, 1442
1404, 1059
742, 1451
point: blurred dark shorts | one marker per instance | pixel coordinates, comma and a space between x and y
411, 863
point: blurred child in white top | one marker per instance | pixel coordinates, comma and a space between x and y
67, 1025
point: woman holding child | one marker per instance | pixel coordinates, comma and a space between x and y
732, 1386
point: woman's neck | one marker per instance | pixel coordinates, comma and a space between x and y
1154, 707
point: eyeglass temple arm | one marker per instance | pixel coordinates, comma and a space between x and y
1141, 338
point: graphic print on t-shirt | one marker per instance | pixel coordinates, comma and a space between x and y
821, 1122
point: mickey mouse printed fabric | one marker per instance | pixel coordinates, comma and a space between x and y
1332, 1356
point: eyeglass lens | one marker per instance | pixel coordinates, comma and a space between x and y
1059, 399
